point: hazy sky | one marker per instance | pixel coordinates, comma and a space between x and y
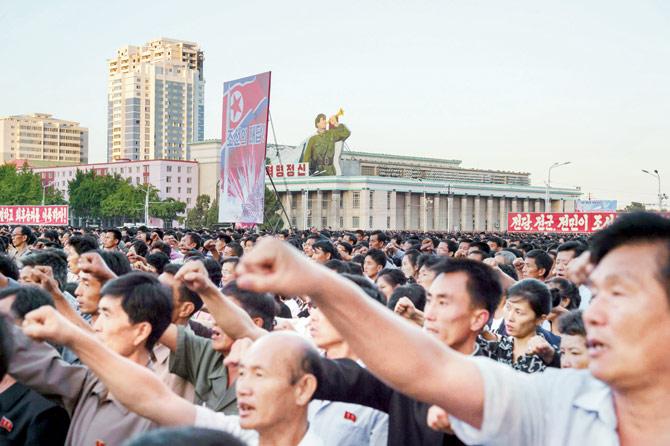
510, 85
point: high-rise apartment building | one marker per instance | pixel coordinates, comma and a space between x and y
155, 100
42, 140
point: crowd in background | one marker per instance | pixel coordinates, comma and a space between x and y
326, 337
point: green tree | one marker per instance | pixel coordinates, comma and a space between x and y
635, 207
167, 210
197, 217
23, 187
89, 190
272, 219
212, 217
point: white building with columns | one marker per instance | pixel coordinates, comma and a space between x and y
363, 202
380, 191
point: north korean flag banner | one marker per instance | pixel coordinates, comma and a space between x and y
243, 144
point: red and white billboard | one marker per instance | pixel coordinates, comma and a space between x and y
561, 222
243, 144
287, 170
34, 215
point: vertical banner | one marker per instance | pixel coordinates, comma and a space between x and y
243, 144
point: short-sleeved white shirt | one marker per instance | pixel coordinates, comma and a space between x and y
557, 407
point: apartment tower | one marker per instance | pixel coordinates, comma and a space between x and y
155, 101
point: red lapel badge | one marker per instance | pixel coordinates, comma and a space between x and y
350, 416
6, 424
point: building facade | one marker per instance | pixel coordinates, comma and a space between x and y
173, 178
155, 100
368, 202
380, 191
42, 139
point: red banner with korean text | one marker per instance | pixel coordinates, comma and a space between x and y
34, 215
560, 222
287, 170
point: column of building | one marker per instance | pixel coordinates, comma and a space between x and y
450, 212
438, 221
392, 210
408, 210
503, 213
489, 214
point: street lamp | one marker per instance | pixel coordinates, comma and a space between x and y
44, 191
660, 195
546, 194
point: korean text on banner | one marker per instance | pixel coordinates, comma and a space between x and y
561, 222
34, 215
243, 144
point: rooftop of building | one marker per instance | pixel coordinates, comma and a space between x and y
112, 163
40, 116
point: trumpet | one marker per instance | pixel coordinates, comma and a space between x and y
339, 113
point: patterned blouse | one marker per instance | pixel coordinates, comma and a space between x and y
503, 351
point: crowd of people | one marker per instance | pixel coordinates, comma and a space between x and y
323, 337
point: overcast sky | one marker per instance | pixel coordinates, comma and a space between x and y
510, 85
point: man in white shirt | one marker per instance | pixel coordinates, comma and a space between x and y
621, 399
274, 387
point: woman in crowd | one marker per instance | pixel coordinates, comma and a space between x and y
388, 280
409, 264
574, 354
565, 297
525, 347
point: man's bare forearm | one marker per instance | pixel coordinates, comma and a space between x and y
136, 387
232, 319
64, 308
401, 354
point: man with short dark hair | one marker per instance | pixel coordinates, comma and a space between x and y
111, 239
537, 265
191, 241
375, 261
565, 254
134, 311
21, 239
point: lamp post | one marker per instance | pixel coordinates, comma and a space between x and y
44, 191
547, 206
658, 178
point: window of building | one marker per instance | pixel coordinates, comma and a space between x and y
178, 179
324, 222
309, 221
168, 190
188, 180
341, 222
388, 222
368, 171
294, 221
370, 222
168, 179
179, 190
388, 200
355, 222
356, 200
188, 190
169, 168
372, 195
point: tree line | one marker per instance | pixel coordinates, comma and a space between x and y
110, 200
